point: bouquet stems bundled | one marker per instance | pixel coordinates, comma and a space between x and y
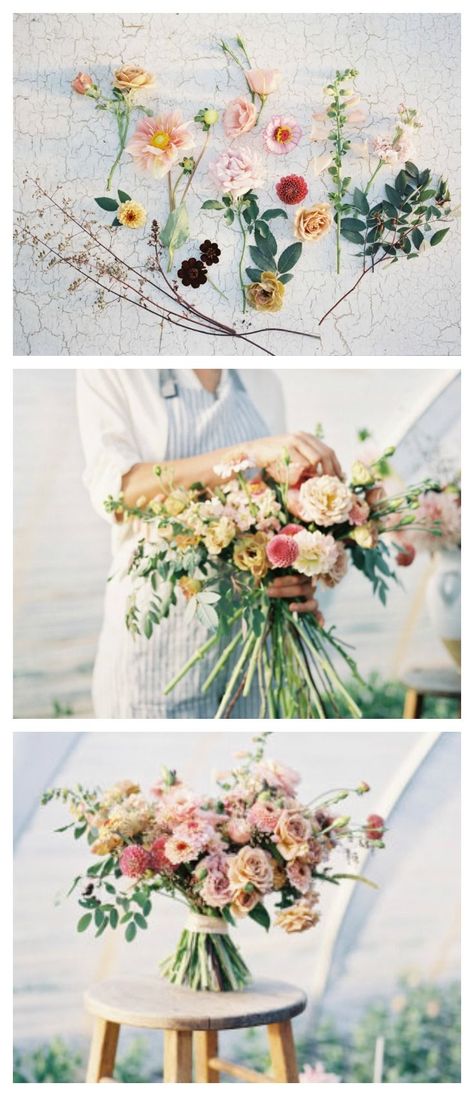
206, 961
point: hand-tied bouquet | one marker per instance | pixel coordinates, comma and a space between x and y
412, 212
220, 548
222, 855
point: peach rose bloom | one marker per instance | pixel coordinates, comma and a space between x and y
263, 81
82, 82
244, 901
239, 116
291, 833
251, 866
131, 78
311, 224
299, 917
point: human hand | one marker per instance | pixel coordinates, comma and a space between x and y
303, 451
295, 586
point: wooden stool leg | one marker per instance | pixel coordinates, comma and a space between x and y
103, 1050
282, 1052
205, 1048
178, 1057
413, 705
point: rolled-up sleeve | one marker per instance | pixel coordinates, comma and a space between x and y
106, 435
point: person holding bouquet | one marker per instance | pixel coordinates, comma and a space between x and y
193, 422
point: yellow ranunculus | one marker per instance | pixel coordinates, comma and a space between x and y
250, 554
268, 294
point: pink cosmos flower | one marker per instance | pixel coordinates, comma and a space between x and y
239, 117
237, 170
282, 551
263, 81
157, 142
282, 134
134, 861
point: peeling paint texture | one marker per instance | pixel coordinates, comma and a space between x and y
411, 308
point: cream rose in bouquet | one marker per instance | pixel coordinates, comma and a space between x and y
250, 846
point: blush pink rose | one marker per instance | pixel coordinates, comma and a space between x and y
239, 830
263, 81
237, 170
239, 117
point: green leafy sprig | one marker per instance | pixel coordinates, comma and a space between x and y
337, 113
122, 105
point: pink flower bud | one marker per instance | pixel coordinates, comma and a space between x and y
263, 81
374, 827
82, 82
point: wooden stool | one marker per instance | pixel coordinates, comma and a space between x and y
432, 681
191, 1018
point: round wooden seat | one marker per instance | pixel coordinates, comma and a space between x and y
437, 681
191, 1018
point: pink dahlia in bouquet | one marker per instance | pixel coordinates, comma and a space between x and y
220, 548
252, 849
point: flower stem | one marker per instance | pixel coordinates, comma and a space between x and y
216, 287
241, 261
263, 99
198, 161
123, 122
372, 177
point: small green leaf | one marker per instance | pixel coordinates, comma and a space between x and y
352, 224
140, 920
260, 260
253, 273
123, 196
229, 216
84, 922
284, 278
107, 203
271, 213
353, 237
393, 196
438, 236
266, 244
176, 230
289, 257
262, 227
212, 204
261, 916
130, 932
411, 169
417, 237
359, 200
116, 223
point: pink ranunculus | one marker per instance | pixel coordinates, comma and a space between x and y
157, 142
282, 551
239, 117
134, 861
291, 530
237, 170
263, 81
82, 82
282, 134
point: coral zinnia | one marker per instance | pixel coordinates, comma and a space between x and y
291, 189
158, 141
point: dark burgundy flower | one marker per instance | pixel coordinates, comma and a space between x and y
209, 252
192, 272
291, 189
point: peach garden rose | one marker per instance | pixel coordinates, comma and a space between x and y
312, 224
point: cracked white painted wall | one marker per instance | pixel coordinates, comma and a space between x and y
411, 308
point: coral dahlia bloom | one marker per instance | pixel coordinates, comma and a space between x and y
282, 134
282, 551
157, 142
291, 189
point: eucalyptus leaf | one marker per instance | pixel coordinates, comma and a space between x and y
438, 236
359, 201
352, 224
417, 237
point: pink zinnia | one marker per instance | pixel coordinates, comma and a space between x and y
157, 142
282, 551
282, 134
134, 861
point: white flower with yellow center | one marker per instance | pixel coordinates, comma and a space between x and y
317, 553
325, 500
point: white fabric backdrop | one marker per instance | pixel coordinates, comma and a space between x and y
410, 308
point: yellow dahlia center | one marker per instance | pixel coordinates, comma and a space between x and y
160, 139
282, 134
